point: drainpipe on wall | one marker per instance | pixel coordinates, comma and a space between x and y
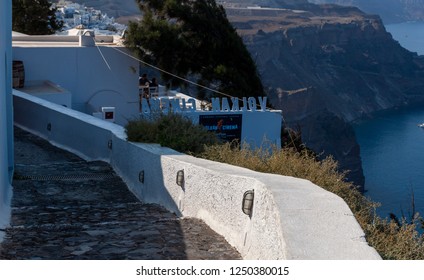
6, 113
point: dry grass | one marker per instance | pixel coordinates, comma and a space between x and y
391, 240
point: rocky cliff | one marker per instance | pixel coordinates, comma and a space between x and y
391, 11
326, 66
263, 3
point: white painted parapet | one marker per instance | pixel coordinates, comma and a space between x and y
291, 219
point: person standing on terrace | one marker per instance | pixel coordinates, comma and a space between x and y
143, 88
153, 87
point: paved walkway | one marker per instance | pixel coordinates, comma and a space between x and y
66, 208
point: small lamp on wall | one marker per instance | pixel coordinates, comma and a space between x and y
141, 176
180, 178
247, 204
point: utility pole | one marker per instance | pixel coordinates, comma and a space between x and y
6, 112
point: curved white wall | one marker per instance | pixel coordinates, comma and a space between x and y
292, 218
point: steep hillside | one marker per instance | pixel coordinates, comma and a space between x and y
391, 11
264, 3
327, 66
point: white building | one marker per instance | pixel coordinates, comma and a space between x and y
6, 114
84, 78
92, 77
74, 15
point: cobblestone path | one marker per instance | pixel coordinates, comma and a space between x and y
66, 208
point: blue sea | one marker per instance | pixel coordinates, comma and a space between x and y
392, 145
409, 34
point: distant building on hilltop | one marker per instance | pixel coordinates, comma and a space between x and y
75, 15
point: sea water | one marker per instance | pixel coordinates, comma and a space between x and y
409, 34
392, 145
392, 152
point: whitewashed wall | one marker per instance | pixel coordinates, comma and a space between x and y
96, 77
292, 218
104, 77
258, 128
6, 117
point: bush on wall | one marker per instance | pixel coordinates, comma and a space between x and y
171, 130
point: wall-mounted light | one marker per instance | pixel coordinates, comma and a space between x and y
49, 127
109, 144
180, 178
247, 204
141, 176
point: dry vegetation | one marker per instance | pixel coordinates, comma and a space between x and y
392, 239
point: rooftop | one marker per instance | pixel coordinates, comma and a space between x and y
22, 40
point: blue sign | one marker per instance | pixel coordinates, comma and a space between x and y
227, 127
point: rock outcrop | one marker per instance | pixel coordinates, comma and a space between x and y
391, 11
326, 66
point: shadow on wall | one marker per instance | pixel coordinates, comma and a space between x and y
142, 170
210, 191
101, 205
93, 140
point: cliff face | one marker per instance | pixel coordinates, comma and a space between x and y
327, 66
353, 67
263, 3
391, 11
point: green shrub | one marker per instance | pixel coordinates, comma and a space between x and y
171, 130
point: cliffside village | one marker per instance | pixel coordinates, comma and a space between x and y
76, 16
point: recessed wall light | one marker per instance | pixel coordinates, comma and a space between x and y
180, 178
247, 203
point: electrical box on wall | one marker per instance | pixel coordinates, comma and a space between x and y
108, 113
